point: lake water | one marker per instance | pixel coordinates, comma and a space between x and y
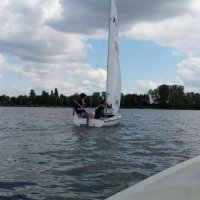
44, 156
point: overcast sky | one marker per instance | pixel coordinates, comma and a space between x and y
47, 44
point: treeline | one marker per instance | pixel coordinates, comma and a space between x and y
164, 96
56, 99
173, 97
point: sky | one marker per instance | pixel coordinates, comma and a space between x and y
47, 44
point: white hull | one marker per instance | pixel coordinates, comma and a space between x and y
111, 121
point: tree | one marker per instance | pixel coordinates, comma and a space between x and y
45, 98
166, 96
54, 98
163, 91
56, 92
154, 95
176, 96
197, 101
96, 99
189, 102
143, 100
130, 100
63, 100
4, 100
13, 101
32, 97
23, 100
70, 100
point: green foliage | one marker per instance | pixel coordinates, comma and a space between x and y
173, 96
4, 100
32, 97
177, 96
95, 99
164, 96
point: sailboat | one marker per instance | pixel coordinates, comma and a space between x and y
113, 84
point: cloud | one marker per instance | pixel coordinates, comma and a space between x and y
68, 78
92, 16
2, 62
47, 41
13, 89
48, 57
189, 72
145, 85
27, 36
180, 32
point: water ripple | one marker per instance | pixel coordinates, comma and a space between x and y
44, 156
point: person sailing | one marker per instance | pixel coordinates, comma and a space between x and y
99, 111
80, 105
80, 108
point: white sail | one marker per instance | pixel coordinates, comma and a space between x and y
113, 71
113, 86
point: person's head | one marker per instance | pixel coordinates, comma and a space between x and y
82, 95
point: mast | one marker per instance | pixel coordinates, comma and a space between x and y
110, 18
106, 109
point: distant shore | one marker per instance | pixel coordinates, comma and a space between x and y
163, 97
42, 106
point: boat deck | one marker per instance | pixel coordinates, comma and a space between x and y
181, 182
